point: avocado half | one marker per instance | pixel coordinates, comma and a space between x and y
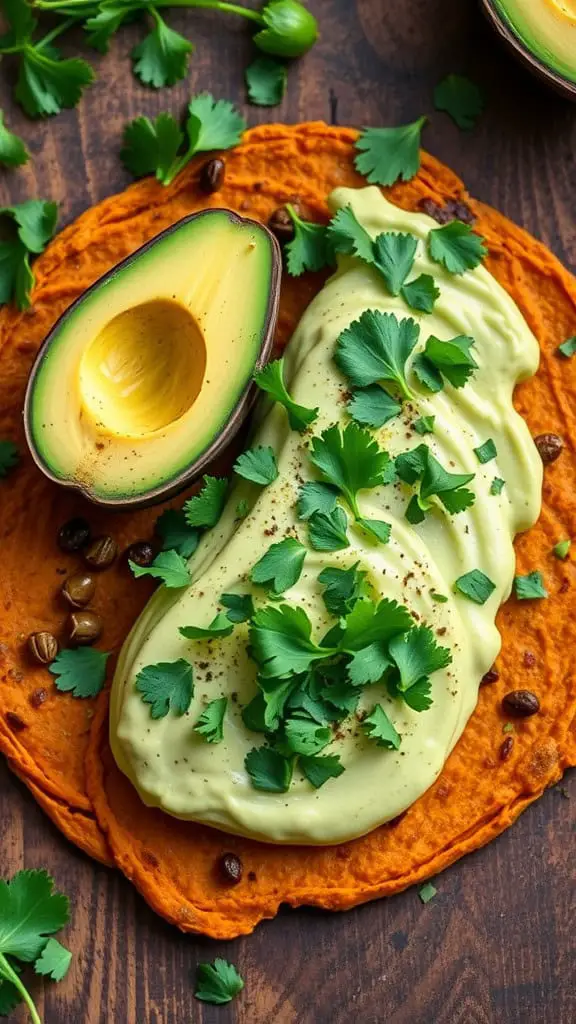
542, 33
148, 375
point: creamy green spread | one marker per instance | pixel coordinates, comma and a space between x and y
170, 765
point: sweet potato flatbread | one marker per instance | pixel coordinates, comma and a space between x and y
58, 745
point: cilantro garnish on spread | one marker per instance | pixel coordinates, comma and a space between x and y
456, 247
378, 727
342, 588
327, 530
155, 147
268, 770
530, 587
9, 457
421, 293
258, 465
561, 550
271, 380
497, 485
319, 768
13, 152
424, 425
394, 257
81, 671
388, 154
461, 99
486, 452
218, 982
346, 235
372, 406
210, 725
168, 566
266, 80
29, 228
476, 586
316, 497
175, 533
240, 606
205, 509
450, 360
220, 626
309, 249
419, 464
167, 686
375, 348
30, 912
568, 347
280, 567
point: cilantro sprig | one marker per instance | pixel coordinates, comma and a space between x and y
386, 155
210, 724
445, 360
169, 567
155, 147
218, 982
456, 247
205, 509
461, 98
420, 465
31, 911
29, 227
310, 248
167, 686
375, 348
81, 671
271, 380
266, 80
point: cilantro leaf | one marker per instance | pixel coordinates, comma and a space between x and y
213, 124
411, 465
387, 154
106, 22
497, 485
306, 737
424, 425
253, 714
18, 14
319, 769
449, 359
13, 152
373, 407
175, 533
461, 99
242, 509
418, 696
327, 531
343, 695
309, 249
205, 509
370, 623
346, 235
476, 586
280, 641
10, 996
421, 293
162, 58
378, 528
561, 550
530, 587
280, 567
220, 627
167, 686
416, 655
456, 247
486, 452
268, 770
375, 348
316, 497
435, 481
342, 588
441, 598
54, 960
271, 380
34, 222
46, 84
276, 694
16, 277
218, 982
240, 606
9, 457
377, 726
150, 147
168, 566
266, 80
350, 460
568, 347
210, 725
427, 892
394, 255
80, 672
258, 465
30, 911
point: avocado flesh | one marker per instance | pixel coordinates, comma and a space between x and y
143, 373
548, 30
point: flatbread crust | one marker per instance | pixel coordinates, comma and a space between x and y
59, 745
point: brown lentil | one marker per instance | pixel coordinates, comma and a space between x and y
230, 868
549, 447
38, 698
43, 647
491, 676
74, 535
79, 589
212, 175
506, 748
16, 723
141, 553
101, 552
85, 627
521, 703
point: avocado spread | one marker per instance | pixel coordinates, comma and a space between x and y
141, 375
471, 430
547, 28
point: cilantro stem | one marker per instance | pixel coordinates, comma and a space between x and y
213, 5
10, 975
56, 31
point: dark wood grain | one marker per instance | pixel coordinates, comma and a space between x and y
497, 943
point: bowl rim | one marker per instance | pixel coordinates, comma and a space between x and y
553, 78
244, 404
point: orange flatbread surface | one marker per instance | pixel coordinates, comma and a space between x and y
58, 745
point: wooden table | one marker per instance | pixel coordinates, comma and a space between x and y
497, 943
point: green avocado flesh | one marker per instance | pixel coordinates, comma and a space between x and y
547, 28
142, 375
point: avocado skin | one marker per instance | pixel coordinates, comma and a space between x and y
527, 48
193, 469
